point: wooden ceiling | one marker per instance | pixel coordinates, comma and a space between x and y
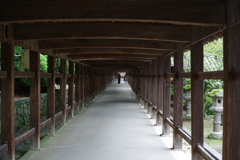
116, 34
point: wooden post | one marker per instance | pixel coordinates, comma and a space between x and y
81, 86
77, 87
35, 99
63, 91
70, 88
231, 112
166, 97
154, 83
7, 100
196, 98
159, 88
177, 99
51, 96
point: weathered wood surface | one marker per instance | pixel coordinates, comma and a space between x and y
45, 123
196, 99
7, 99
175, 12
63, 91
177, 100
70, 88
101, 30
45, 75
35, 99
210, 75
105, 43
3, 149
24, 136
77, 87
231, 110
51, 96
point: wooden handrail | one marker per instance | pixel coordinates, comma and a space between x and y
46, 75
201, 151
59, 114
3, 74
45, 123
185, 75
169, 122
24, 136
210, 75
184, 135
24, 74
59, 75
3, 148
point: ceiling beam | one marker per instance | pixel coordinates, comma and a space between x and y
114, 51
198, 12
101, 30
104, 43
114, 62
112, 58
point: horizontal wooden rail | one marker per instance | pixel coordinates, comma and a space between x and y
210, 75
45, 123
3, 148
201, 151
212, 152
69, 75
185, 75
3, 74
68, 108
24, 74
169, 122
46, 75
58, 115
75, 75
24, 136
170, 75
58, 75
160, 113
184, 135
236, 74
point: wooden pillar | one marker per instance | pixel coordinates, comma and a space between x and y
177, 99
196, 98
63, 91
166, 96
35, 99
159, 88
154, 83
70, 88
77, 87
231, 112
81, 86
7, 100
51, 96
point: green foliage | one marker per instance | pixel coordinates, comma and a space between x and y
186, 118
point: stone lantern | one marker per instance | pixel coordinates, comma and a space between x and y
217, 109
188, 99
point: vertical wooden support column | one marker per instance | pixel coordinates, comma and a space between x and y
51, 96
145, 87
70, 88
150, 89
196, 98
159, 88
166, 96
231, 125
77, 87
177, 99
84, 85
35, 99
154, 83
81, 86
63, 91
7, 100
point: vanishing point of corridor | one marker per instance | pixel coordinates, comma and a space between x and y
114, 127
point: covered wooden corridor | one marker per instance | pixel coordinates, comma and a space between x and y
95, 39
114, 126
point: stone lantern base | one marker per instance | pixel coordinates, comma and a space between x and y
215, 135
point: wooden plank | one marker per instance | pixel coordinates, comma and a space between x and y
177, 100
69, 75
63, 91
45, 75
111, 55
2, 33
166, 97
77, 87
3, 149
169, 75
105, 43
132, 62
70, 88
231, 94
159, 89
101, 30
210, 75
185, 75
58, 115
24, 74
201, 150
51, 96
35, 99
59, 75
7, 100
184, 135
81, 86
196, 98
45, 123
169, 122
24, 136
174, 12
154, 83
3, 74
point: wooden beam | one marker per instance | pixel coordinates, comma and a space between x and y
35, 99
51, 96
83, 51
93, 62
63, 91
196, 98
2, 33
105, 43
77, 87
231, 107
101, 30
113, 58
177, 100
7, 100
70, 88
157, 11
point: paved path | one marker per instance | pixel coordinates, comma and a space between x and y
114, 127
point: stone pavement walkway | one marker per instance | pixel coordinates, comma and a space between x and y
114, 127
